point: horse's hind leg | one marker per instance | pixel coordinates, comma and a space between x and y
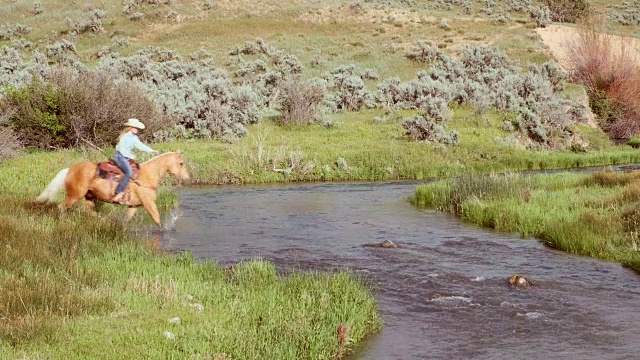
76, 184
75, 192
68, 202
89, 207
131, 212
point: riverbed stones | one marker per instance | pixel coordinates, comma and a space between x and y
519, 281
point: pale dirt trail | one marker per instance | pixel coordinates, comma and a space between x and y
558, 38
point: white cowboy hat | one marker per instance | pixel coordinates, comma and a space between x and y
135, 123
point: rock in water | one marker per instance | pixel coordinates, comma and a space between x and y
519, 280
388, 244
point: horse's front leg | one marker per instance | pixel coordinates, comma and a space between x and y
151, 207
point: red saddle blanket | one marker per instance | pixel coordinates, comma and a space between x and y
110, 171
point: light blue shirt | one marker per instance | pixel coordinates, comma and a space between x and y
128, 142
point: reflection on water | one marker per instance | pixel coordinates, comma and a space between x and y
444, 292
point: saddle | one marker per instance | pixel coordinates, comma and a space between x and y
110, 171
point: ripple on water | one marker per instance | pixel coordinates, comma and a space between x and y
440, 298
533, 315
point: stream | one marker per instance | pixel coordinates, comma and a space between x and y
444, 293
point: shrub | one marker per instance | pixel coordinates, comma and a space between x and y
301, 102
15, 71
568, 10
347, 89
421, 128
208, 5
541, 15
13, 31
518, 5
35, 114
484, 77
610, 70
73, 108
21, 44
129, 7
629, 13
424, 53
91, 22
61, 48
501, 18
204, 102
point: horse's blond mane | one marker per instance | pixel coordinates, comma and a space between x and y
159, 156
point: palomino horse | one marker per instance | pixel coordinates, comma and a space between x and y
81, 182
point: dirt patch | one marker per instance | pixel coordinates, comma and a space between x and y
342, 13
153, 30
558, 38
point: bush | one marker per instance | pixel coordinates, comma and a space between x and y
73, 108
38, 8
568, 10
541, 15
347, 88
421, 128
301, 102
13, 31
518, 5
485, 77
629, 13
204, 102
15, 71
609, 68
91, 22
35, 114
424, 53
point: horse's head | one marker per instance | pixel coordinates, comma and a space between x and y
177, 167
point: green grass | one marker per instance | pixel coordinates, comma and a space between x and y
80, 287
634, 142
381, 151
594, 215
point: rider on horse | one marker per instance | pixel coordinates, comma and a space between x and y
124, 151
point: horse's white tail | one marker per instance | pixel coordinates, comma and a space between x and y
54, 187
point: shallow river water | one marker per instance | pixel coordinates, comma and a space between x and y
444, 293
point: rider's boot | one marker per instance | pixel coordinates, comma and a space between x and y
118, 198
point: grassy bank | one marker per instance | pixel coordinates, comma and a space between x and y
597, 215
77, 286
355, 148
